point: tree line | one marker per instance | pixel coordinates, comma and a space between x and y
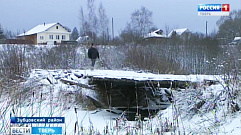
97, 26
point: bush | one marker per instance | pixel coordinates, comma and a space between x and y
145, 58
13, 64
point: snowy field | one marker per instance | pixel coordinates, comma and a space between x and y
203, 110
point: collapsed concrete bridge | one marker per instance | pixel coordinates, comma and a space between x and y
139, 92
129, 91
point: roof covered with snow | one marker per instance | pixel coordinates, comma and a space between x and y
156, 34
178, 31
237, 38
39, 28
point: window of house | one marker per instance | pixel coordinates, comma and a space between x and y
57, 27
41, 37
57, 36
63, 37
51, 37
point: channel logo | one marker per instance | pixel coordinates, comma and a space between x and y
46, 130
35, 130
213, 9
21, 130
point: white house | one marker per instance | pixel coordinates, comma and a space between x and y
178, 32
83, 39
45, 33
156, 34
236, 41
160, 34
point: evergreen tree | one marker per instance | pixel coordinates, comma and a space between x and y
1, 33
75, 34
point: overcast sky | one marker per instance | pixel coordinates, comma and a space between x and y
20, 15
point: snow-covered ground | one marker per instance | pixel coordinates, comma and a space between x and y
45, 95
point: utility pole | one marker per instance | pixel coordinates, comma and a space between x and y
112, 28
206, 28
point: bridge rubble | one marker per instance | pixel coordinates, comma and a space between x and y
131, 91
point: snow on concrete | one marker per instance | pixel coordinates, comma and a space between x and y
140, 76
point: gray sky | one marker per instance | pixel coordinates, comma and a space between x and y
20, 15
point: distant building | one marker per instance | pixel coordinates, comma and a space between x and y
155, 34
46, 33
178, 32
84, 39
160, 34
236, 41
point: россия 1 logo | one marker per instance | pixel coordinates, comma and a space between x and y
213, 9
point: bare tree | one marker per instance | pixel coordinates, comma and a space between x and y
229, 26
93, 22
141, 21
128, 35
103, 24
167, 29
84, 23
93, 26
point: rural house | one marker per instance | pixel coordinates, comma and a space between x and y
160, 34
179, 32
46, 33
155, 34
